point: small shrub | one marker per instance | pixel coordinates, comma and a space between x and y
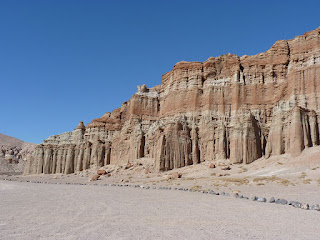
284, 182
307, 181
236, 181
196, 188
244, 169
303, 175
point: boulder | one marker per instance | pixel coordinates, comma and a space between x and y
129, 165
254, 198
261, 199
176, 175
226, 168
167, 177
211, 165
296, 205
101, 172
95, 177
281, 201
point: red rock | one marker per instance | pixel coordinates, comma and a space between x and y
102, 172
212, 165
95, 177
176, 175
227, 107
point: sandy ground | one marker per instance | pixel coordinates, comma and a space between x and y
65, 210
59, 211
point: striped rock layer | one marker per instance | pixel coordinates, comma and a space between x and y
228, 107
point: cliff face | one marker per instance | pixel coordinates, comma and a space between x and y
224, 108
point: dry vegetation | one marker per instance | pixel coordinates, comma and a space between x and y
303, 175
236, 181
272, 179
307, 181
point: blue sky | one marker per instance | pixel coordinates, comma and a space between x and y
67, 61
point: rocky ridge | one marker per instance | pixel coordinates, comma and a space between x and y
228, 107
14, 153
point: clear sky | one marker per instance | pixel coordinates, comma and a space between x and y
65, 61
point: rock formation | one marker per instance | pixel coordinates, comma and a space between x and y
13, 154
228, 107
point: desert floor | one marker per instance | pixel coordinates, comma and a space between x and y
60, 211
56, 206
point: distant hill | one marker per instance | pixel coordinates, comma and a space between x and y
13, 154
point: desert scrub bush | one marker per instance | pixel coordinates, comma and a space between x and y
236, 181
268, 179
303, 175
242, 169
273, 178
307, 181
196, 188
284, 182
215, 184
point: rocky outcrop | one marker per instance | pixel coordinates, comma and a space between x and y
13, 154
228, 107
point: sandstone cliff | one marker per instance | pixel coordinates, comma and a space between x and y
228, 107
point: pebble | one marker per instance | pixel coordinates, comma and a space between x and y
254, 198
281, 201
305, 206
295, 204
261, 199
